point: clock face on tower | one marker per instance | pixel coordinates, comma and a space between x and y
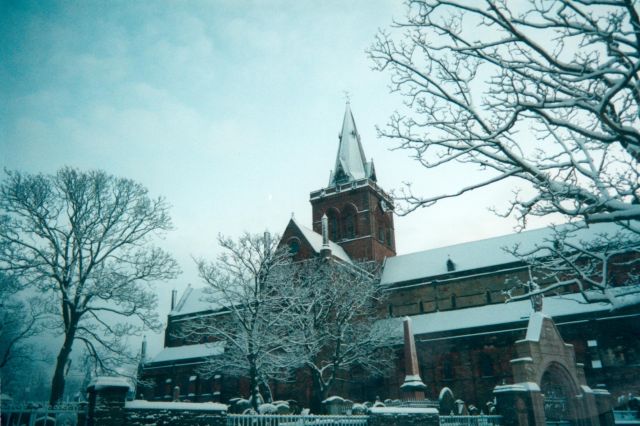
384, 206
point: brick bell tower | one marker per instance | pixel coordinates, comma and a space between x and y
359, 212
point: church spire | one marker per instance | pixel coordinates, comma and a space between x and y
350, 161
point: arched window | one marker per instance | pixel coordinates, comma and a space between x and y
349, 216
486, 365
447, 368
294, 246
334, 229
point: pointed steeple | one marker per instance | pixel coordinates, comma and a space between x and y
350, 161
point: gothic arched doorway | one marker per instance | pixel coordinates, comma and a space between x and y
559, 393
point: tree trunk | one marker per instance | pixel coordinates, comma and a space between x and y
57, 384
318, 393
266, 391
253, 386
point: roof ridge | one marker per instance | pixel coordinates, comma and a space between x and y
336, 248
183, 299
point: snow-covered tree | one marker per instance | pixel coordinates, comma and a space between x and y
334, 324
602, 267
84, 240
545, 92
252, 280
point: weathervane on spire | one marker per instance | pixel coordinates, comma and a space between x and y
347, 96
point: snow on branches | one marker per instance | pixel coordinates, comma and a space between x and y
604, 267
543, 91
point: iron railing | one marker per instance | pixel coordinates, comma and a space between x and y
417, 403
470, 420
30, 414
294, 420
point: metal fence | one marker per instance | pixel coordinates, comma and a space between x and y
422, 403
35, 414
470, 420
294, 420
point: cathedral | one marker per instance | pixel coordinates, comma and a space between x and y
464, 331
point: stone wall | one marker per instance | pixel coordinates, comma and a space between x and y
451, 292
140, 413
108, 407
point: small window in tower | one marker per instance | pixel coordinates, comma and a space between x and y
349, 216
381, 234
349, 227
341, 176
453, 301
333, 225
390, 309
389, 237
487, 296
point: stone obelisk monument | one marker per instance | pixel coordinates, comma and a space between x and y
413, 388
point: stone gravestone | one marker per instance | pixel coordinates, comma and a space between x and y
447, 402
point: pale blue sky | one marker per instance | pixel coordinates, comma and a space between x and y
229, 109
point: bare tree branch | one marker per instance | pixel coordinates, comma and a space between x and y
84, 240
561, 117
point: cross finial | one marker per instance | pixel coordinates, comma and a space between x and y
347, 96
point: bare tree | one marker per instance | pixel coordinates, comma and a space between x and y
252, 280
544, 91
85, 240
333, 324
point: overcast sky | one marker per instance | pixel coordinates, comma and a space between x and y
229, 109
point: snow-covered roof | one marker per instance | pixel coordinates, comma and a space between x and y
478, 254
102, 382
179, 353
496, 314
197, 300
350, 161
315, 240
